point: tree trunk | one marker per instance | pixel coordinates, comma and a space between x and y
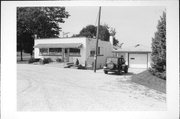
21, 50
21, 56
31, 54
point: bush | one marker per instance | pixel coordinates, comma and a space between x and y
45, 61
161, 75
58, 60
32, 60
81, 67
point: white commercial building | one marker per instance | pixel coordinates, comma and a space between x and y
71, 49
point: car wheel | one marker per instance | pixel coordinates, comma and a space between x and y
110, 65
105, 72
119, 72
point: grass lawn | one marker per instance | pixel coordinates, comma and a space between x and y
147, 79
26, 57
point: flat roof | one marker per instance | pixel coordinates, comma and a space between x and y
60, 38
59, 45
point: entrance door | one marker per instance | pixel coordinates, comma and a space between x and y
66, 55
137, 60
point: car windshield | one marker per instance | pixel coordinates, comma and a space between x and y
114, 60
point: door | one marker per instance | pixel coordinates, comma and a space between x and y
137, 60
66, 55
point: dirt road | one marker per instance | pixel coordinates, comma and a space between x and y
45, 88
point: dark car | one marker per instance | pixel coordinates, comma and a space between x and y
115, 64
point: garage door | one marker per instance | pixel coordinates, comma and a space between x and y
137, 60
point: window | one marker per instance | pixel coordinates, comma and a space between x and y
43, 51
74, 51
93, 52
98, 51
55, 51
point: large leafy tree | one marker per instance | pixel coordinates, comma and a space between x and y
158, 55
42, 21
90, 31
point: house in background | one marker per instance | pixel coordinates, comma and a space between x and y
71, 49
137, 56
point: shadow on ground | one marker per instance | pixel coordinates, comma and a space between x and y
147, 79
122, 74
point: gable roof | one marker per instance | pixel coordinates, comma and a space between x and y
136, 48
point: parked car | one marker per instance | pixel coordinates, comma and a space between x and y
115, 64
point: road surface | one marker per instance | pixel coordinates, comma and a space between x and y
46, 88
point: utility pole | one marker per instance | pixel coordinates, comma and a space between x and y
97, 37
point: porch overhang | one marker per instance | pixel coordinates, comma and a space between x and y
59, 45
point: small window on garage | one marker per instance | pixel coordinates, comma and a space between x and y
132, 58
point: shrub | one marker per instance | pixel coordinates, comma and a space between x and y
58, 60
32, 60
81, 67
41, 61
161, 75
45, 61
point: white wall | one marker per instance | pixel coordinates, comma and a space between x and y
81, 40
105, 51
88, 45
140, 60
149, 60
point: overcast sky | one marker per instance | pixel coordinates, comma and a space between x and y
133, 24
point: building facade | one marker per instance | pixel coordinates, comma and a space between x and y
71, 49
138, 56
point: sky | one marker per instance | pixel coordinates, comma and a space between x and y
133, 24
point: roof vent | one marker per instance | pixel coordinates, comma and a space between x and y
121, 45
137, 45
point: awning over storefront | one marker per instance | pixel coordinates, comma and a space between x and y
59, 45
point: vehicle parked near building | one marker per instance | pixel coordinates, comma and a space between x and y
115, 64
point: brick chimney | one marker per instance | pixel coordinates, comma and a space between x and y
111, 39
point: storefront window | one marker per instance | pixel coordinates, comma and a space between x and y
55, 51
74, 51
43, 51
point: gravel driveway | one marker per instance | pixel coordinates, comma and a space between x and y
44, 88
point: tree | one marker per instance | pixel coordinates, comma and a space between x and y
158, 56
90, 32
113, 33
42, 21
